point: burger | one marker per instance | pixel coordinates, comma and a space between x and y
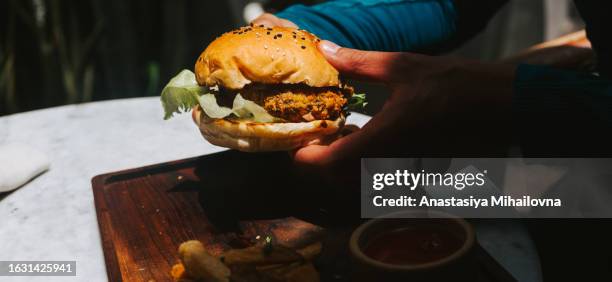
262, 88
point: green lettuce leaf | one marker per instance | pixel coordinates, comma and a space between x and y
246, 109
209, 105
241, 108
357, 102
181, 94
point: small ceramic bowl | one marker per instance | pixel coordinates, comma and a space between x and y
456, 266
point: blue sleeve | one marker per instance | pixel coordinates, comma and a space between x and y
558, 104
384, 25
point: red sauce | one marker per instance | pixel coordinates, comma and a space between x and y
413, 245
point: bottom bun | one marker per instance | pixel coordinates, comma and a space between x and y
251, 136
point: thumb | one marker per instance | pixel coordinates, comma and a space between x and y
366, 65
312, 155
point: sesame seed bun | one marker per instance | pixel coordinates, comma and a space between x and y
270, 57
257, 54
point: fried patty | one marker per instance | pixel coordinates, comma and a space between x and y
295, 103
298, 107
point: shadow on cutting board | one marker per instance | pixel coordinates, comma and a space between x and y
235, 186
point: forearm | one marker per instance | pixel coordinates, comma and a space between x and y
478, 92
544, 89
546, 111
555, 108
395, 25
541, 106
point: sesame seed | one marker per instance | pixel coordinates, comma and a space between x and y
303, 38
261, 25
280, 35
268, 33
269, 28
303, 47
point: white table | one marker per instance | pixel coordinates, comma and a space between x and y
53, 216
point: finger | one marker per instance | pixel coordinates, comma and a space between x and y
321, 155
266, 20
315, 155
348, 129
373, 137
304, 155
365, 65
287, 23
269, 20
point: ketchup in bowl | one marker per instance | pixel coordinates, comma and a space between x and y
413, 245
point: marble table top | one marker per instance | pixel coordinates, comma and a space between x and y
53, 216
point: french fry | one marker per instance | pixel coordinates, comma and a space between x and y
262, 262
201, 265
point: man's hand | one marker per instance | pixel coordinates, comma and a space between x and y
438, 106
270, 20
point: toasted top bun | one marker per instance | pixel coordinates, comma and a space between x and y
264, 55
262, 137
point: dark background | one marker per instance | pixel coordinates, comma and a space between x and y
56, 52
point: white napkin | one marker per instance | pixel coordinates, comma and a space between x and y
18, 164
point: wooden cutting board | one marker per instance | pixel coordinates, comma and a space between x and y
224, 200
